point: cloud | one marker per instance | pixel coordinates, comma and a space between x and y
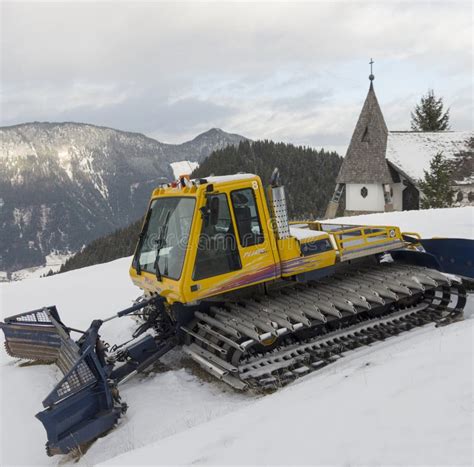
46, 99
294, 71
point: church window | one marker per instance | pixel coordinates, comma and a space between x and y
459, 196
470, 196
365, 136
364, 192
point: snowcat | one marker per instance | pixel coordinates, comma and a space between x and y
255, 300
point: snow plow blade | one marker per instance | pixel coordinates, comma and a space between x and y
81, 407
86, 403
41, 336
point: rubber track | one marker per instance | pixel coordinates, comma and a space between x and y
268, 341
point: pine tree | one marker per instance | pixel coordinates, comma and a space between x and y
428, 114
436, 185
118, 244
309, 175
462, 165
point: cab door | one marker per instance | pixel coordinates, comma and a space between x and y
253, 232
235, 249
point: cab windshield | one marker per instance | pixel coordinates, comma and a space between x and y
164, 239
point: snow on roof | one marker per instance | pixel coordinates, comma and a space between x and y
412, 151
466, 180
229, 178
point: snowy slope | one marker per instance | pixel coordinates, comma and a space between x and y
408, 400
81, 296
450, 222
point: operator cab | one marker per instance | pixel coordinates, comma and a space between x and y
205, 237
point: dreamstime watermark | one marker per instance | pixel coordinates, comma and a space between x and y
223, 241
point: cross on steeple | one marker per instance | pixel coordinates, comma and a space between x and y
371, 76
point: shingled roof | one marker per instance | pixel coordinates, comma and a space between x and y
365, 158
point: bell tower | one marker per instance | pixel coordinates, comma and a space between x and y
364, 178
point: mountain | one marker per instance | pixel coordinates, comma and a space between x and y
63, 185
309, 176
200, 147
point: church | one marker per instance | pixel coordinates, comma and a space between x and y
382, 168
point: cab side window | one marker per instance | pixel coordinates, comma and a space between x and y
217, 251
249, 227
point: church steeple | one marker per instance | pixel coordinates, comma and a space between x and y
365, 158
364, 175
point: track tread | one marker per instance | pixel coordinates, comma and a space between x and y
422, 296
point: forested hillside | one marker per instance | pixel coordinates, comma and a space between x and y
308, 175
115, 245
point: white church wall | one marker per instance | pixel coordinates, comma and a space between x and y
463, 195
374, 201
397, 198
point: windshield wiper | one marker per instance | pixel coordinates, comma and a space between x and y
160, 243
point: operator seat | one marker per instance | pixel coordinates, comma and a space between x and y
243, 217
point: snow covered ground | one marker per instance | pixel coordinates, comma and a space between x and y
408, 400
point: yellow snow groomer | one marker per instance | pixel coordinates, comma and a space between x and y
252, 298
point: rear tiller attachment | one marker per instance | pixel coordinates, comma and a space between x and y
85, 403
450, 255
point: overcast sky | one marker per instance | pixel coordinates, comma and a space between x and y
287, 71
